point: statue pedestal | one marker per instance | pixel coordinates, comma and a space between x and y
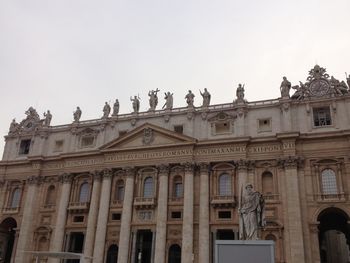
244, 251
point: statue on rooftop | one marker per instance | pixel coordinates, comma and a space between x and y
135, 103
14, 127
189, 99
77, 114
168, 101
285, 87
348, 80
340, 88
106, 110
206, 97
240, 93
153, 99
251, 212
115, 108
48, 118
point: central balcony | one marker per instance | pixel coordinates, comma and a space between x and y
78, 207
223, 201
144, 202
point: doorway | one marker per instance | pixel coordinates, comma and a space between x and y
174, 254
7, 239
112, 254
75, 244
144, 246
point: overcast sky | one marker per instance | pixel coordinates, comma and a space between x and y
60, 54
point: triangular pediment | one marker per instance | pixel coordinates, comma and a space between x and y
148, 135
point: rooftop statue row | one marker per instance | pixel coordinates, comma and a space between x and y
318, 84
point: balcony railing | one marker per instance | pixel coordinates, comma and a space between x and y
78, 206
271, 197
223, 201
176, 200
48, 207
10, 210
144, 202
331, 197
117, 203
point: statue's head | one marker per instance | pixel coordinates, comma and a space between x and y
284, 78
249, 188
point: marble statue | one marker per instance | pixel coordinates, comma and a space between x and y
153, 99
106, 110
285, 87
14, 126
251, 213
240, 93
168, 105
206, 98
77, 114
115, 108
48, 118
135, 103
189, 98
340, 88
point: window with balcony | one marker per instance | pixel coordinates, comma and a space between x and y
148, 187
119, 191
15, 198
24, 147
329, 182
178, 187
225, 185
322, 116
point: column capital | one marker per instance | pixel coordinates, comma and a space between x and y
242, 165
33, 180
163, 169
291, 162
188, 167
107, 173
129, 171
66, 178
203, 167
96, 175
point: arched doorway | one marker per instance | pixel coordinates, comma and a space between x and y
112, 254
174, 254
7, 238
334, 236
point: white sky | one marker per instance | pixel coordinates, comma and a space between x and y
60, 54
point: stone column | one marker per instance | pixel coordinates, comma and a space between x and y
204, 237
59, 230
124, 237
286, 115
100, 238
2, 194
92, 217
25, 234
239, 130
242, 173
187, 222
133, 248
315, 249
162, 214
293, 209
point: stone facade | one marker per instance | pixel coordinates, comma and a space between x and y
163, 185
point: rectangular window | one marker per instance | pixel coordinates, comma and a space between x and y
58, 146
179, 129
224, 214
87, 141
322, 116
176, 215
116, 216
78, 219
264, 125
24, 147
222, 127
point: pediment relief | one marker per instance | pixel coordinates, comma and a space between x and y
148, 135
222, 116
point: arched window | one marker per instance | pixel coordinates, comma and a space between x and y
329, 182
225, 185
267, 183
174, 255
15, 198
84, 193
50, 195
178, 187
119, 190
148, 187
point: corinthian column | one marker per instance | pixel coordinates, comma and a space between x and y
58, 234
161, 214
124, 237
187, 222
27, 220
204, 214
92, 217
242, 172
102, 217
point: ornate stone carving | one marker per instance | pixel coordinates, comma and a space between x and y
163, 169
77, 114
168, 105
115, 108
34, 179
242, 164
153, 99
148, 136
204, 167
190, 115
188, 167
166, 117
129, 171
190, 99
133, 121
48, 118
145, 215
135, 104
291, 162
319, 84
96, 175
206, 98
285, 107
204, 115
66, 178
107, 173
240, 94
30, 124
106, 110
285, 88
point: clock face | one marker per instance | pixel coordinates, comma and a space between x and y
319, 87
